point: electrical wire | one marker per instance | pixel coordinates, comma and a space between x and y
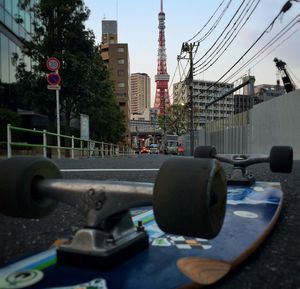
183, 71
283, 41
200, 68
214, 26
284, 9
236, 12
207, 22
170, 85
277, 37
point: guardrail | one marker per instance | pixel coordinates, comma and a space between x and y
78, 147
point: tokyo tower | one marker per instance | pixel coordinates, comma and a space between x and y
162, 98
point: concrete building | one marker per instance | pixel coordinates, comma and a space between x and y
201, 97
244, 102
265, 92
109, 31
116, 57
140, 93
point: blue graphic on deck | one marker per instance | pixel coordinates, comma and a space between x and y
253, 195
155, 268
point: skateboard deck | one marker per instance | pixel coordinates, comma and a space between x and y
250, 215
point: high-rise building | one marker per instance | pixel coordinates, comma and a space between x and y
140, 93
110, 31
116, 57
162, 98
15, 25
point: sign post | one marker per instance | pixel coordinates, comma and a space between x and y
53, 64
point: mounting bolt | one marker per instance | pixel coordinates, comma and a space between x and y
140, 227
110, 240
99, 205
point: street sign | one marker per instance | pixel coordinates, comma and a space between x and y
84, 127
54, 87
53, 64
53, 78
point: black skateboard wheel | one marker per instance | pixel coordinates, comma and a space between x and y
281, 159
189, 197
205, 152
17, 177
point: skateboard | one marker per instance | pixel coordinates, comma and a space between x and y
192, 226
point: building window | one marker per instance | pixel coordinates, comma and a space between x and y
121, 49
5, 57
121, 61
1, 11
121, 72
121, 84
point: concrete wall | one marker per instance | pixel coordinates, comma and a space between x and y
274, 122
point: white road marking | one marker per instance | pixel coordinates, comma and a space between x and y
108, 170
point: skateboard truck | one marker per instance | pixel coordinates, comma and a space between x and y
240, 176
34, 186
280, 159
110, 236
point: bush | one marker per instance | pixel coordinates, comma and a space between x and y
7, 116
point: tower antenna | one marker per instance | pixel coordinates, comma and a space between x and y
162, 98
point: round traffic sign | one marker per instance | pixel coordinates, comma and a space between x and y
53, 78
53, 64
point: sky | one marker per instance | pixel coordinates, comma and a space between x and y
138, 26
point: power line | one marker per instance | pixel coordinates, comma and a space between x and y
174, 74
208, 21
200, 68
183, 70
277, 37
284, 9
214, 26
236, 12
283, 41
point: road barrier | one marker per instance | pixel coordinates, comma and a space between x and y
78, 147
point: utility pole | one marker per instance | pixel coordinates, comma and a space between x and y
189, 47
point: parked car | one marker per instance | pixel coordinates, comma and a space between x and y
145, 150
154, 149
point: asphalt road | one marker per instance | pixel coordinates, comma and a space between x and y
276, 264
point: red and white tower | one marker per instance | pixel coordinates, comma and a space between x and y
162, 98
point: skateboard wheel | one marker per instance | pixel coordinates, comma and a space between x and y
17, 196
281, 159
205, 152
189, 197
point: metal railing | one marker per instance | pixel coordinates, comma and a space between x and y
78, 147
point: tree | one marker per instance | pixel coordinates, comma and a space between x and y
86, 88
7, 116
175, 120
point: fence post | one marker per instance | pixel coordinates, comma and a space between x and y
81, 148
72, 150
44, 143
102, 152
8, 141
58, 146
